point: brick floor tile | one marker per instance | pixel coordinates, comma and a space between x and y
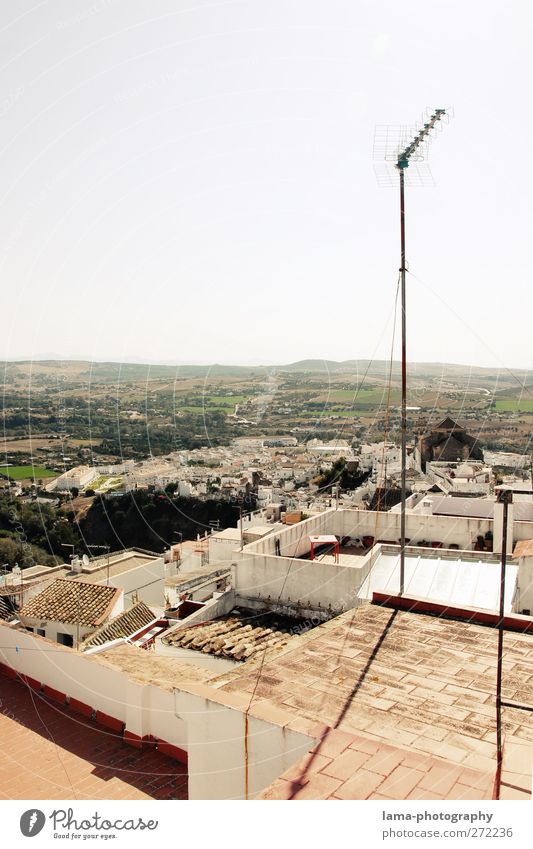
334, 743
441, 778
360, 786
385, 760
417, 761
400, 782
474, 778
346, 764
462, 791
420, 794
318, 787
306, 767
81, 760
365, 744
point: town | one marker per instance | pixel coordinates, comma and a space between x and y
224, 632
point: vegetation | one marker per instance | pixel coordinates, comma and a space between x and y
341, 474
94, 411
515, 405
20, 473
33, 533
152, 520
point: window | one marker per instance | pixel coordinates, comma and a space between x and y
41, 632
29, 629
65, 639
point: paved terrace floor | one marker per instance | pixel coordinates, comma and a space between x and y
413, 680
49, 752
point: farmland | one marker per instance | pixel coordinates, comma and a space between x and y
20, 473
59, 414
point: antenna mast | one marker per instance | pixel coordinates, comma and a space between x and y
402, 154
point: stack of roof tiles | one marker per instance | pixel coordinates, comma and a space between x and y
124, 625
72, 602
233, 637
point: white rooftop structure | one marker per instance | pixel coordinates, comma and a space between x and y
458, 582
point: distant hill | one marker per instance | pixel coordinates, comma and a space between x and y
86, 371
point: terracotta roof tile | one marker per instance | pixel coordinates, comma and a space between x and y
239, 636
124, 625
72, 602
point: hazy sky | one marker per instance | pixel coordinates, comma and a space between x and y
193, 181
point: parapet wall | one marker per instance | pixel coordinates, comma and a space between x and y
141, 713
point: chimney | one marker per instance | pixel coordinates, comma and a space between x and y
502, 496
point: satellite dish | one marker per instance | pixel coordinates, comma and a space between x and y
85, 560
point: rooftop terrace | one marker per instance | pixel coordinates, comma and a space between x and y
424, 683
50, 752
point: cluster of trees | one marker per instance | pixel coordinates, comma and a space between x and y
341, 475
33, 533
152, 520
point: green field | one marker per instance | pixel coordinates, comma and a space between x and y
22, 473
513, 405
229, 400
363, 396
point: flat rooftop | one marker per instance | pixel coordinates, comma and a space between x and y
50, 752
448, 579
147, 667
418, 681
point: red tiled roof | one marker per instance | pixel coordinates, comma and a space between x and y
123, 625
65, 600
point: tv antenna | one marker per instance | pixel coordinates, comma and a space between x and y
395, 149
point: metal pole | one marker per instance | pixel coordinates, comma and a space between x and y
404, 380
505, 497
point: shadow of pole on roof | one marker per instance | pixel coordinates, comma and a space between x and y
296, 784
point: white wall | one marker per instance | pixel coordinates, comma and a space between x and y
145, 709
525, 584
221, 550
313, 584
386, 526
221, 764
52, 629
148, 580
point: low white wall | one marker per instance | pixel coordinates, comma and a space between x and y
312, 583
221, 550
145, 709
294, 539
232, 756
457, 530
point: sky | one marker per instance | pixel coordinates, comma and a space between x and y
193, 182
